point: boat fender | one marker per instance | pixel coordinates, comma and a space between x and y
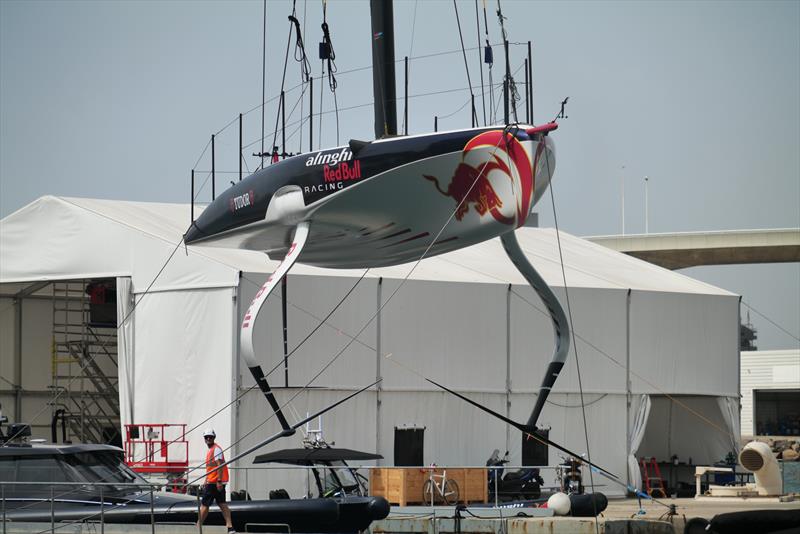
559, 503
588, 504
378, 508
766, 521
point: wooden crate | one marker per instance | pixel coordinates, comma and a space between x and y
398, 485
403, 485
472, 484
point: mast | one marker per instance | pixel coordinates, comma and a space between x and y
383, 81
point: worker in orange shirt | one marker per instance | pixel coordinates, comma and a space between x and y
214, 488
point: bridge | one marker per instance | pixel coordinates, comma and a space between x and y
691, 249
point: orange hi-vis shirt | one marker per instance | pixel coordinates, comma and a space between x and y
214, 458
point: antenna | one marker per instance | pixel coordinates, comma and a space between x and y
314, 435
563, 113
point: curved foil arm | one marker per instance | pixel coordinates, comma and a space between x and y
248, 323
560, 323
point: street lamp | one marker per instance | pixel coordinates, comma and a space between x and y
622, 178
646, 210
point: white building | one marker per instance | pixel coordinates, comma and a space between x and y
658, 351
771, 393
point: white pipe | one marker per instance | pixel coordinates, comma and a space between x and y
758, 458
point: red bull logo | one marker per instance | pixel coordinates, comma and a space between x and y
471, 185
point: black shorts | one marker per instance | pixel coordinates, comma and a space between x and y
211, 494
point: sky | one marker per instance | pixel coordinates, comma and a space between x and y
119, 99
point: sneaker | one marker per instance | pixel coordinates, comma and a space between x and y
231, 530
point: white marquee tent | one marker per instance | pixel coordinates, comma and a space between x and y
658, 351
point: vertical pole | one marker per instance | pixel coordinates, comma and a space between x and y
311, 114
102, 513
646, 206
378, 370
405, 113
283, 122
3, 498
52, 510
284, 288
435, 123
192, 199
628, 398
527, 103
505, 84
213, 169
530, 81
508, 370
622, 179
18, 358
240, 147
152, 513
383, 78
474, 116
739, 361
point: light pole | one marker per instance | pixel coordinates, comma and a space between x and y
622, 179
646, 210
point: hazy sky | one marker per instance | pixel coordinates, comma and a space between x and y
118, 99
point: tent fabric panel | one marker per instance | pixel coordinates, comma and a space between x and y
59, 239
599, 324
605, 424
311, 299
183, 367
125, 351
686, 344
51, 240
37, 350
454, 334
641, 413
675, 424
729, 407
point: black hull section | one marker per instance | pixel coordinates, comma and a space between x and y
351, 514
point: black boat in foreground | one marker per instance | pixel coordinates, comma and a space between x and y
92, 482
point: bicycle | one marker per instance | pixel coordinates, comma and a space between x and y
446, 492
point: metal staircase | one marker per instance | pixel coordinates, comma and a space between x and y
84, 364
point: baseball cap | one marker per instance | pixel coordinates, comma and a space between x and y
209, 432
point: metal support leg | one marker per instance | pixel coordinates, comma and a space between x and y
248, 323
560, 323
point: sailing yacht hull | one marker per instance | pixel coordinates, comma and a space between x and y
386, 202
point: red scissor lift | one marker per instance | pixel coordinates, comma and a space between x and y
159, 450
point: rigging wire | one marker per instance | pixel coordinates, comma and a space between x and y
571, 322
480, 62
299, 47
282, 101
488, 57
264, 80
327, 54
474, 113
410, 51
785, 331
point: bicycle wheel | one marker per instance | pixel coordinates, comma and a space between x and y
450, 492
428, 492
